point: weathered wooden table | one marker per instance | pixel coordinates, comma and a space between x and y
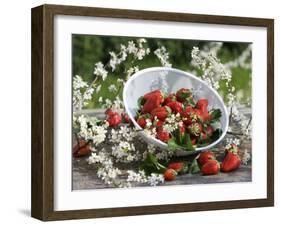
84, 176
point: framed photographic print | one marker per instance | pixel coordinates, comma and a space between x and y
140, 112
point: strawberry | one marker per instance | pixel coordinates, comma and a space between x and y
126, 117
182, 129
114, 119
193, 141
161, 113
203, 136
175, 106
142, 122
183, 94
108, 112
195, 129
202, 104
209, 131
231, 160
150, 104
211, 167
201, 115
154, 94
205, 157
81, 149
179, 167
163, 135
170, 174
159, 125
189, 116
170, 98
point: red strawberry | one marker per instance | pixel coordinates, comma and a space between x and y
183, 94
150, 104
193, 141
205, 157
231, 160
179, 167
202, 116
114, 119
142, 122
202, 104
203, 136
81, 149
159, 125
182, 129
209, 131
154, 94
126, 117
163, 135
169, 99
211, 167
175, 106
170, 174
161, 113
195, 129
108, 112
189, 116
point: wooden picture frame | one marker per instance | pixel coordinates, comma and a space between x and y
42, 203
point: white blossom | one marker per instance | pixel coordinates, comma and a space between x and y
100, 70
163, 56
112, 88
155, 179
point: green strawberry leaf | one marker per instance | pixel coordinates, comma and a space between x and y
186, 141
194, 168
216, 134
141, 101
151, 165
215, 115
182, 143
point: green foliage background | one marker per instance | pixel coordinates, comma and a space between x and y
88, 50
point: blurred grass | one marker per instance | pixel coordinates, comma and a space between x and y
88, 50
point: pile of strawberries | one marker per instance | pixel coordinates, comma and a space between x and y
208, 165
195, 117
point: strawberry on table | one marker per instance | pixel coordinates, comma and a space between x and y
205, 157
231, 160
114, 119
109, 111
126, 117
211, 167
170, 174
179, 167
81, 149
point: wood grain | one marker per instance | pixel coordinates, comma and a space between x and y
42, 111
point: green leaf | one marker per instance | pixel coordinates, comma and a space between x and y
216, 134
172, 145
141, 101
183, 144
151, 165
215, 115
186, 141
194, 168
